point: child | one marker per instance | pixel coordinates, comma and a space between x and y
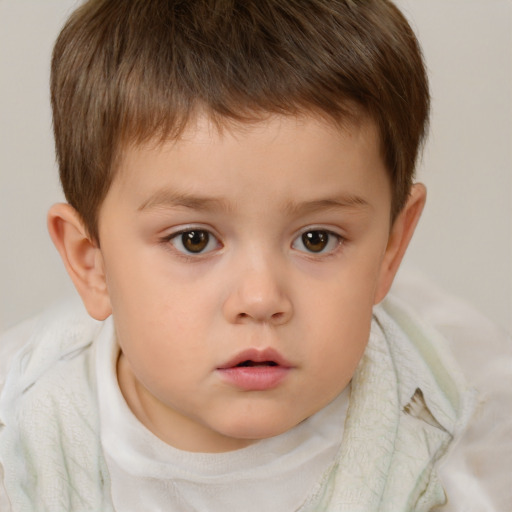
239, 179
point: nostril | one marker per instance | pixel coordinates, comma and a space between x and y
275, 317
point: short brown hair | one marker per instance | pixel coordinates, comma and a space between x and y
124, 71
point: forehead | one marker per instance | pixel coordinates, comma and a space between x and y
292, 154
202, 129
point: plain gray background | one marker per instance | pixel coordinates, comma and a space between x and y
464, 241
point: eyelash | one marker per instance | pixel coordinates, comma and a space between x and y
315, 236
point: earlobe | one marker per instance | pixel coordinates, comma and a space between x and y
399, 238
81, 257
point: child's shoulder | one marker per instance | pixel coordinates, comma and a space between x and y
36, 344
50, 354
476, 473
48, 407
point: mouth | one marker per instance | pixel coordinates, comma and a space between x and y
253, 364
253, 358
255, 370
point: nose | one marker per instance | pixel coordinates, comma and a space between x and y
258, 295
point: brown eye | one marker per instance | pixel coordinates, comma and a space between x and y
315, 241
195, 241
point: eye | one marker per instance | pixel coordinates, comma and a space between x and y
317, 241
194, 241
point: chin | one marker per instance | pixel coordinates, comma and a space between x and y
256, 428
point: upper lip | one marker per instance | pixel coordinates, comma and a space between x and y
256, 356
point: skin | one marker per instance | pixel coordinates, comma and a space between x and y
256, 284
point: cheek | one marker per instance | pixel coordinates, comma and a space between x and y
348, 294
150, 303
334, 357
343, 331
340, 319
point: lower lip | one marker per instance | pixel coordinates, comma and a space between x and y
254, 378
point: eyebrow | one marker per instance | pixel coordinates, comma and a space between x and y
345, 201
172, 199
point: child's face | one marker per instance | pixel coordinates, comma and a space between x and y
262, 246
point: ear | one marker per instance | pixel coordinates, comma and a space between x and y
399, 238
82, 258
